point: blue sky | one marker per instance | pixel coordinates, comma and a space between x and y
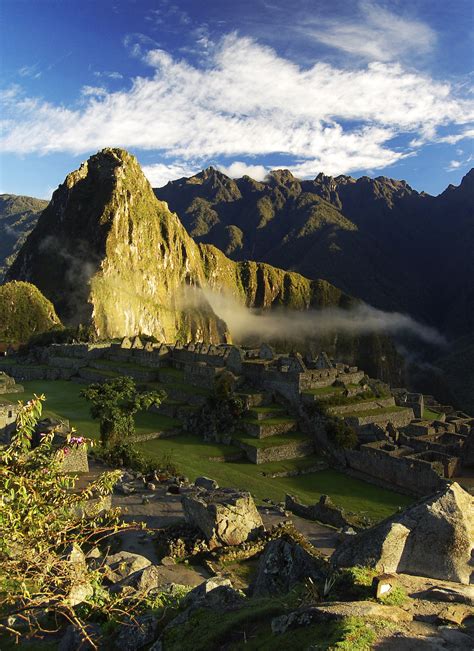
338, 86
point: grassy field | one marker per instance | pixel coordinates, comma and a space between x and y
193, 456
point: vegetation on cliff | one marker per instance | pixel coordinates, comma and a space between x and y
25, 312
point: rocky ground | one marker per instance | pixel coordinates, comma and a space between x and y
273, 591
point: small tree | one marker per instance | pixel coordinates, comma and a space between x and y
115, 403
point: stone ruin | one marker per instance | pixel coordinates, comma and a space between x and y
394, 438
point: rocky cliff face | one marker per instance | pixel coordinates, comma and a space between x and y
107, 252
18, 217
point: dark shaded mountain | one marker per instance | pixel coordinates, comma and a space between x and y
377, 239
18, 217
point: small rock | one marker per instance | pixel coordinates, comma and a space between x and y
173, 489
124, 489
150, 486
80, 592
167, 561
206, 483
455, 613
119, 566
145, 499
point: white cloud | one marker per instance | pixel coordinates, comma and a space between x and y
378, 34
159, 173
246, 101
237, 169
456, 164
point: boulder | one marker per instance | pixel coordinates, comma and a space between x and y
215, 594
225, 516
283, 564
136, 634
118, 566
433, 538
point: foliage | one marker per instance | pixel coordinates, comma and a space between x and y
220, 413
41, 515
342, 434
115, 403
79, 334
396, 597
126, 455
338, 431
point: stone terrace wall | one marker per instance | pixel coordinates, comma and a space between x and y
414, 475
277, 453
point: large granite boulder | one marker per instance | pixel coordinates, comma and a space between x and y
225, 516
283, 564
433, 538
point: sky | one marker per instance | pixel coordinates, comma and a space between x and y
359, 87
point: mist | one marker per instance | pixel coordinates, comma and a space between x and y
245, 323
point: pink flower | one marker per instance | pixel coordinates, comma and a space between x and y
78, 440
65, 450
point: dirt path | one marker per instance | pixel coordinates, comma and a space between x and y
163, 509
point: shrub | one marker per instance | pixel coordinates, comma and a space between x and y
115, 403
41, 515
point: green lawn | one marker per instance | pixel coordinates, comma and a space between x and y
192, 456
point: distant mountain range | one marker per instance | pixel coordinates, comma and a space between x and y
377, 239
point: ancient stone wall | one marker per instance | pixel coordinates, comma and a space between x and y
414, 475
324, 511
277, 453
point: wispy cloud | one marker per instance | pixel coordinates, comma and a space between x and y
110, 74
247, 101
31, 71
376, 34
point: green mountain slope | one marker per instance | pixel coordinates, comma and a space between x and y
24, 312
106, 252
18, 217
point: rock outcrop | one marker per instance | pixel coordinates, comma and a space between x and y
284, 564
107, 253
225, 516
433, 538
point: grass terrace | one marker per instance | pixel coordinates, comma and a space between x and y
271, 441
373, 412
193, 456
